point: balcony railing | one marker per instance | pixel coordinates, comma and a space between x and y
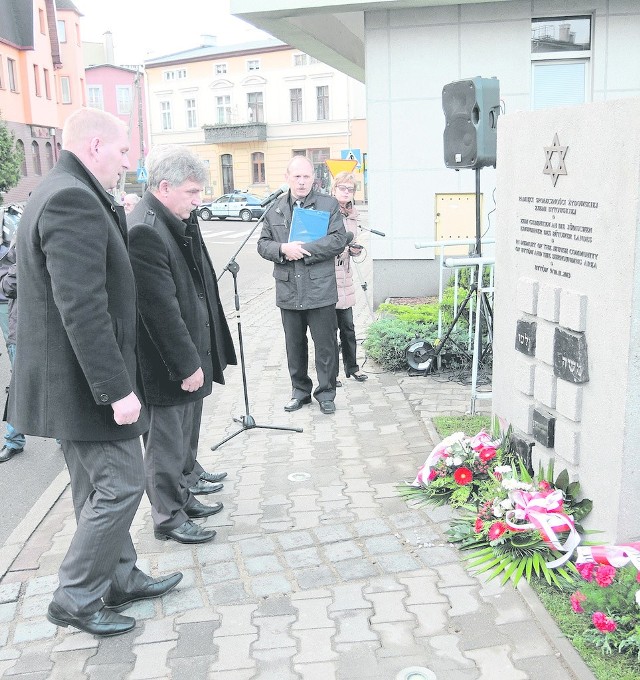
232, 132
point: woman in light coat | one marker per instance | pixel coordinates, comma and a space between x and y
344, 186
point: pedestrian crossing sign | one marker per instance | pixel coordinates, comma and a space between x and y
352, 155
142, 174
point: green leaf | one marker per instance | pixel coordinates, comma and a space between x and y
563, 481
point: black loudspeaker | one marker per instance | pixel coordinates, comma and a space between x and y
471, 108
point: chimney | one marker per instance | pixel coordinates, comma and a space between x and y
209, 40
108, 48
564, 33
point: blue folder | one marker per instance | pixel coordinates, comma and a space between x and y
308, 225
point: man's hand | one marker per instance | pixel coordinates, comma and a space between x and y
193, 382
293, 250
126, 411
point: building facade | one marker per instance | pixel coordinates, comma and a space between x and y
247, 109
120, 90
41, 81
543, 52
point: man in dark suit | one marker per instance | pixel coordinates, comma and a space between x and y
183, 338
75, 371
306, 290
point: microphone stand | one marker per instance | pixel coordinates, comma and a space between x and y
247, 421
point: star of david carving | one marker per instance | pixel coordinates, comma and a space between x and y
548, 166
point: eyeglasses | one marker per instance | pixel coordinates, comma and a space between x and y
343, 187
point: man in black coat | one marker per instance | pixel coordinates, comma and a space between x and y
184, 340
306, 289
74, 376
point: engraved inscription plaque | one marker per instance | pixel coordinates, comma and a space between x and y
522, 446
544, 427
570, 358
526, 337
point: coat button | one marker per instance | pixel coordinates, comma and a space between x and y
185, 244
104, 398
207, 324
201, 295
208, 352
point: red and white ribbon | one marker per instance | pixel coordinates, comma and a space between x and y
543, 511
613, 555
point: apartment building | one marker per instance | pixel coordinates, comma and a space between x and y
41, 81
247, 109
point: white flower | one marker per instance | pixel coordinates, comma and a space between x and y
524, 486
457, 460
503, 469
506, 504
510, 484
638, 597
498, 511
448, 461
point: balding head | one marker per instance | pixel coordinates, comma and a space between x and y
100, 141
299, 176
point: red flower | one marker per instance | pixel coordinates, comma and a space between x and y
605, 575
497, 529
432, 475
463, 476
487, 453
603, 623
586, 570
544, 485
638, 577
478, 526
576, 602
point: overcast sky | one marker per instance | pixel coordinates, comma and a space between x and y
146, 28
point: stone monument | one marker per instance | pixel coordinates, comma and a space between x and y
567, 301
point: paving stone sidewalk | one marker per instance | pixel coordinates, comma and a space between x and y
319, 570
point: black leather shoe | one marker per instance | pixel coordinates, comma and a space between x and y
8, 453
203, 487
199, 509
104, 622
213, 477
187, 532
360, 377
338, 383
295, 404
155, 588
327, 407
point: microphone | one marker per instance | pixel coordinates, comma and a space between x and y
274, 195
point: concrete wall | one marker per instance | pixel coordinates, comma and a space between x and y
410, 56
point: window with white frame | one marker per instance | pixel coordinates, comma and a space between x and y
13, 79
560, 61
181, 73
190, 109
257, 166
322, 99
295, 102
168, 75
62, 30
165, 110
95, 99
220, 69
299, 59
253, 65
223, 109
65, 89
123, 99
255, 106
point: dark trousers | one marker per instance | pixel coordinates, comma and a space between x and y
171, 445
107, 483
347, 341
323, 326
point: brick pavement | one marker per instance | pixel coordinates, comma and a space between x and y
319, 570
